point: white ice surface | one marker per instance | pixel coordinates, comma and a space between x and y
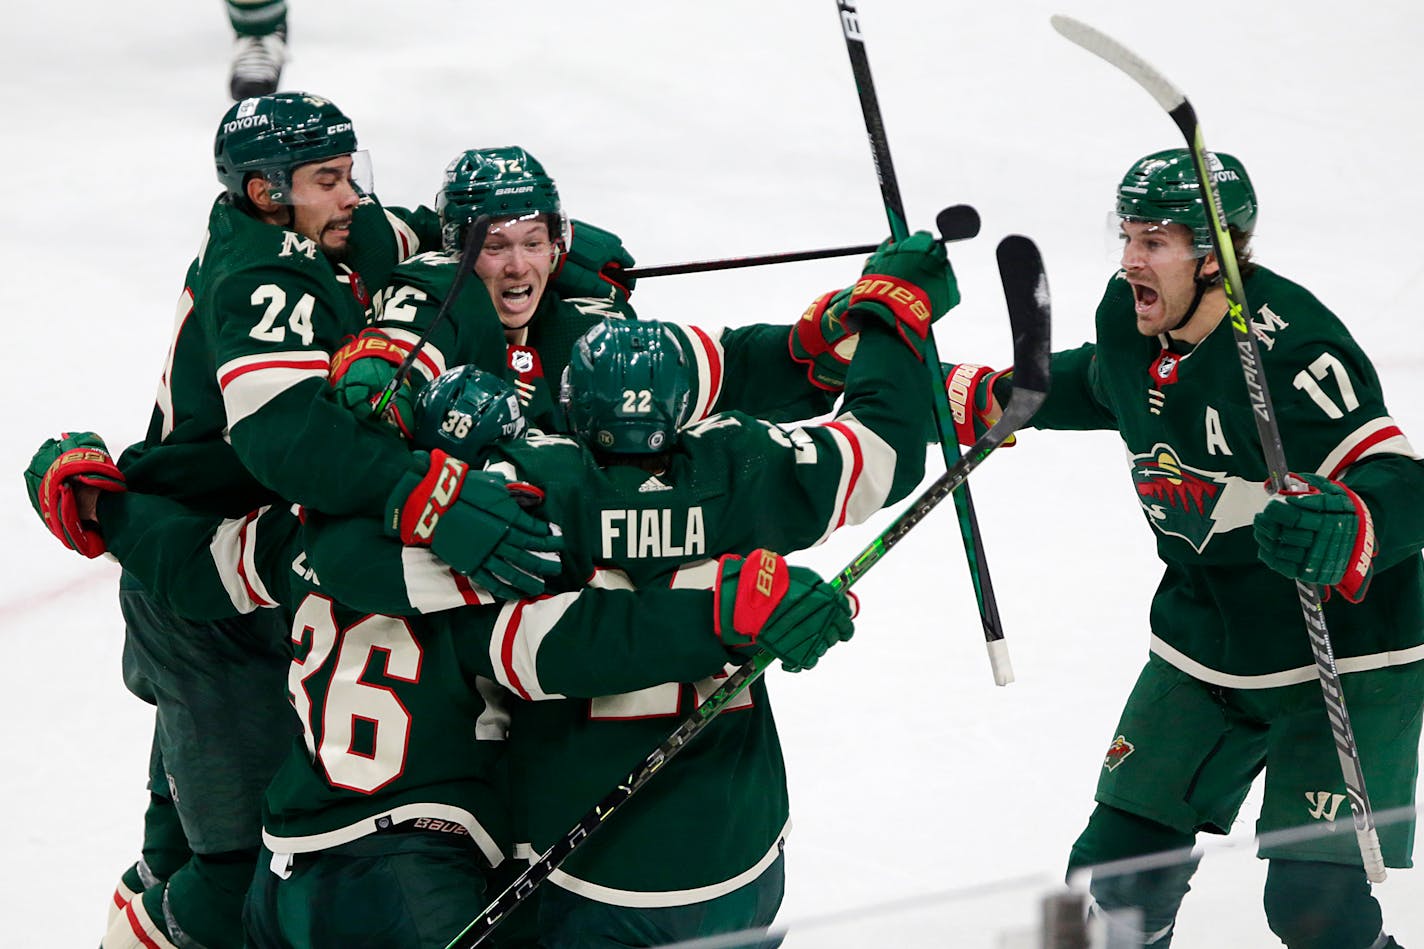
700, 131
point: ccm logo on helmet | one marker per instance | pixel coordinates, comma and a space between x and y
343, 127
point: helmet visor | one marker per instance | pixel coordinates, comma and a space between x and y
314, 182
1133, 239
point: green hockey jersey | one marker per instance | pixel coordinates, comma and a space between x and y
392, 677
748, 368
1198, 472
733, 483
244, 415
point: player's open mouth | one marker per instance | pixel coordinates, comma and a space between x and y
518, 295
1144, 296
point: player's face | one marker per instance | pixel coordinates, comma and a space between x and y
514, 265
1160, 264
323, 195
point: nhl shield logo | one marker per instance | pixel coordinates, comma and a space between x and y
1118, 752
1164, 368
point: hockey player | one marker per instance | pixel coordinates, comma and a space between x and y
390, 813
524, 328
244, 417
646, 503
1230, 685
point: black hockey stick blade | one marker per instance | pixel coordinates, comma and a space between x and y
469, 253
1026, 293
958, 222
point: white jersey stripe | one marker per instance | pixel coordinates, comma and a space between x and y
227, 552
1272, 680
250, 382
430, 362
876, 462
247, 566
431, 586
709, 362
518, 634
397, 815
406, 241
1378, 436
607, 894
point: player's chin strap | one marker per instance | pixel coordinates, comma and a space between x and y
1203, 284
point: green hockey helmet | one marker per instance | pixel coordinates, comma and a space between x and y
464, 411
1162, 188
626, 387
502, 183
271, 135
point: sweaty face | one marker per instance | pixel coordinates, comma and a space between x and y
323, 195
1159, 262
514, 265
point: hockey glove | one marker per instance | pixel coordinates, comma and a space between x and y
360, 372
762, 603
593, 265
64, 480
822, 342
1318, 531
975, 400
907, 285
475, 522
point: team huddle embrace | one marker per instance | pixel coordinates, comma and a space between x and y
432, 539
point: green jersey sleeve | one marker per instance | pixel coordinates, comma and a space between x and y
1074, 400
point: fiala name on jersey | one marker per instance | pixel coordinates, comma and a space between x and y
1191, 503
653, 532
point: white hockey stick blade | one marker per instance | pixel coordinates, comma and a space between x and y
1105, 47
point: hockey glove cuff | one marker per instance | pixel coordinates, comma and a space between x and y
1318, 531
906, 285
973, 399
476, 522
593, 265
761, 602
822, 343
360, 372
62, 481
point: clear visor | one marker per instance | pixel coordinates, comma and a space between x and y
1147, 242
532, 234
315, 182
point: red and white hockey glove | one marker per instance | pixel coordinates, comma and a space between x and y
906, 285
972, 402
63, 481
1318, 531
762, 603
822, 342
476, 522
360, 372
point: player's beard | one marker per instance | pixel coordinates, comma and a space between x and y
337, 255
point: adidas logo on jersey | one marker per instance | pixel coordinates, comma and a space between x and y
653, 484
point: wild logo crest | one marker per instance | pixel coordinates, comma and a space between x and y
1178, 499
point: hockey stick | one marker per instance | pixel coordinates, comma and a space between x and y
1026, 291
469, 253
999, 663
1170, 98
956, 223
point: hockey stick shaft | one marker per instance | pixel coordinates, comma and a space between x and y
1268, 430
957, 223
949, 443
469, 253
1026, 290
